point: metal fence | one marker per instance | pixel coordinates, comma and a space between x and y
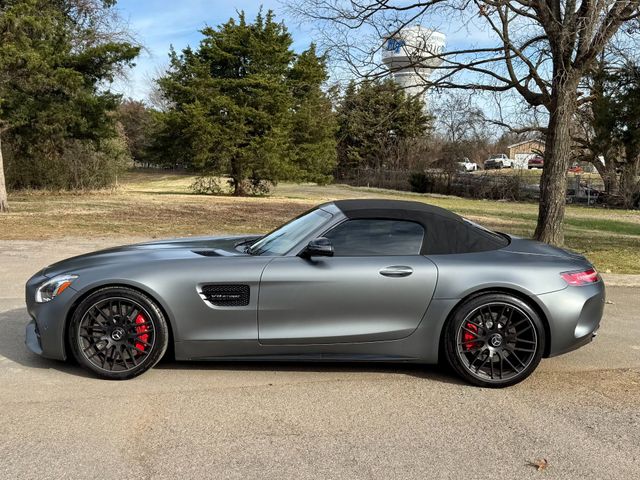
510, 185
366, 177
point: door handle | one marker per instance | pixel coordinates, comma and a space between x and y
396, 271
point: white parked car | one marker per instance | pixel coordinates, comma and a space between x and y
499, 160
466, 165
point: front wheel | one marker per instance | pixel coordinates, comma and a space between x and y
494, 340
118, 333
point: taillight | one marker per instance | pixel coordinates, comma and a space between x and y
581, 278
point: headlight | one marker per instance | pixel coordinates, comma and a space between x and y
54, 287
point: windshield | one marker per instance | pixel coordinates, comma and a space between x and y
283, 239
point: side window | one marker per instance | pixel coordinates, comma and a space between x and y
375, 237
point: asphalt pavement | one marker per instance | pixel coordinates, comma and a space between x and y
580, 411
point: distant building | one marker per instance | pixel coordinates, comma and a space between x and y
521, 152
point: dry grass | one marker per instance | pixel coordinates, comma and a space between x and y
161, 205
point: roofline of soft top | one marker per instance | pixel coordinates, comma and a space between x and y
354, 205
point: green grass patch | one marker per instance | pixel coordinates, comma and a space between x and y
157, 205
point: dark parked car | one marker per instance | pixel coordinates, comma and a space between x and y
536, 162
588, 195
350, 280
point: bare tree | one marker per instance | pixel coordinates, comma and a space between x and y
539, 50
458, 119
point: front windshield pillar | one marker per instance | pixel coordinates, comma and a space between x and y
285, 238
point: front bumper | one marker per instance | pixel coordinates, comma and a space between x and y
574, 315
45, 333
32, 338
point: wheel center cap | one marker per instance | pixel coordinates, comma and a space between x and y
495, 340
117, 334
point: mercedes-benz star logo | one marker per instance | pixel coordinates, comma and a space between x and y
117, 334
495, 340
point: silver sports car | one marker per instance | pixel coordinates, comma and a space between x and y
350, 280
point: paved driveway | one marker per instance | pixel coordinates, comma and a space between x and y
580, 411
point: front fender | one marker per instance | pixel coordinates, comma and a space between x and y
89, 288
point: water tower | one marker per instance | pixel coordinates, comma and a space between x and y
409, 56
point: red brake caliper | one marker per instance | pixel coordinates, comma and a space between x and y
142, 332
468, 338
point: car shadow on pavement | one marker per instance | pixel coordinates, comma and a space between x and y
13, 348
436, 373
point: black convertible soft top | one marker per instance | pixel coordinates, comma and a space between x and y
445, 231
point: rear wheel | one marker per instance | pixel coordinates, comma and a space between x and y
494, 340
118, 333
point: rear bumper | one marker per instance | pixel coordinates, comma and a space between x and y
574, 315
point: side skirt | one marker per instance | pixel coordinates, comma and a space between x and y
230, 350
330, 358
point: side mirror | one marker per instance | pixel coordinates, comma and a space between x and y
319, 247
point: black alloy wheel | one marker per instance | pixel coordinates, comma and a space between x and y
494, 340
118, 333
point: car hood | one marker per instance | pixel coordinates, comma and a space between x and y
152, 251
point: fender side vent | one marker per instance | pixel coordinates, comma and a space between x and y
226, 295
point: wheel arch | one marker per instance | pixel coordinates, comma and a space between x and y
528, 299
119, 284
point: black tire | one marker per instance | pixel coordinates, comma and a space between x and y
118, 333
499, 329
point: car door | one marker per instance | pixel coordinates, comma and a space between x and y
376, 287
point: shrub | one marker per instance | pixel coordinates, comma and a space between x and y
206, 185
420, 182
257, 187
67, 165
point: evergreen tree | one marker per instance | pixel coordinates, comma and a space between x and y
54, 57
235, 100
371, 117
314, 126
615, 130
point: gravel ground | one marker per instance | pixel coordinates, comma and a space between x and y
580, 411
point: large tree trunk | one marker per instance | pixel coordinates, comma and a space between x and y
608, 174
4, 205
237, 178
553, 182
238, 188
629, 181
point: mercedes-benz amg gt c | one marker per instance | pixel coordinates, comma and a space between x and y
350, 280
